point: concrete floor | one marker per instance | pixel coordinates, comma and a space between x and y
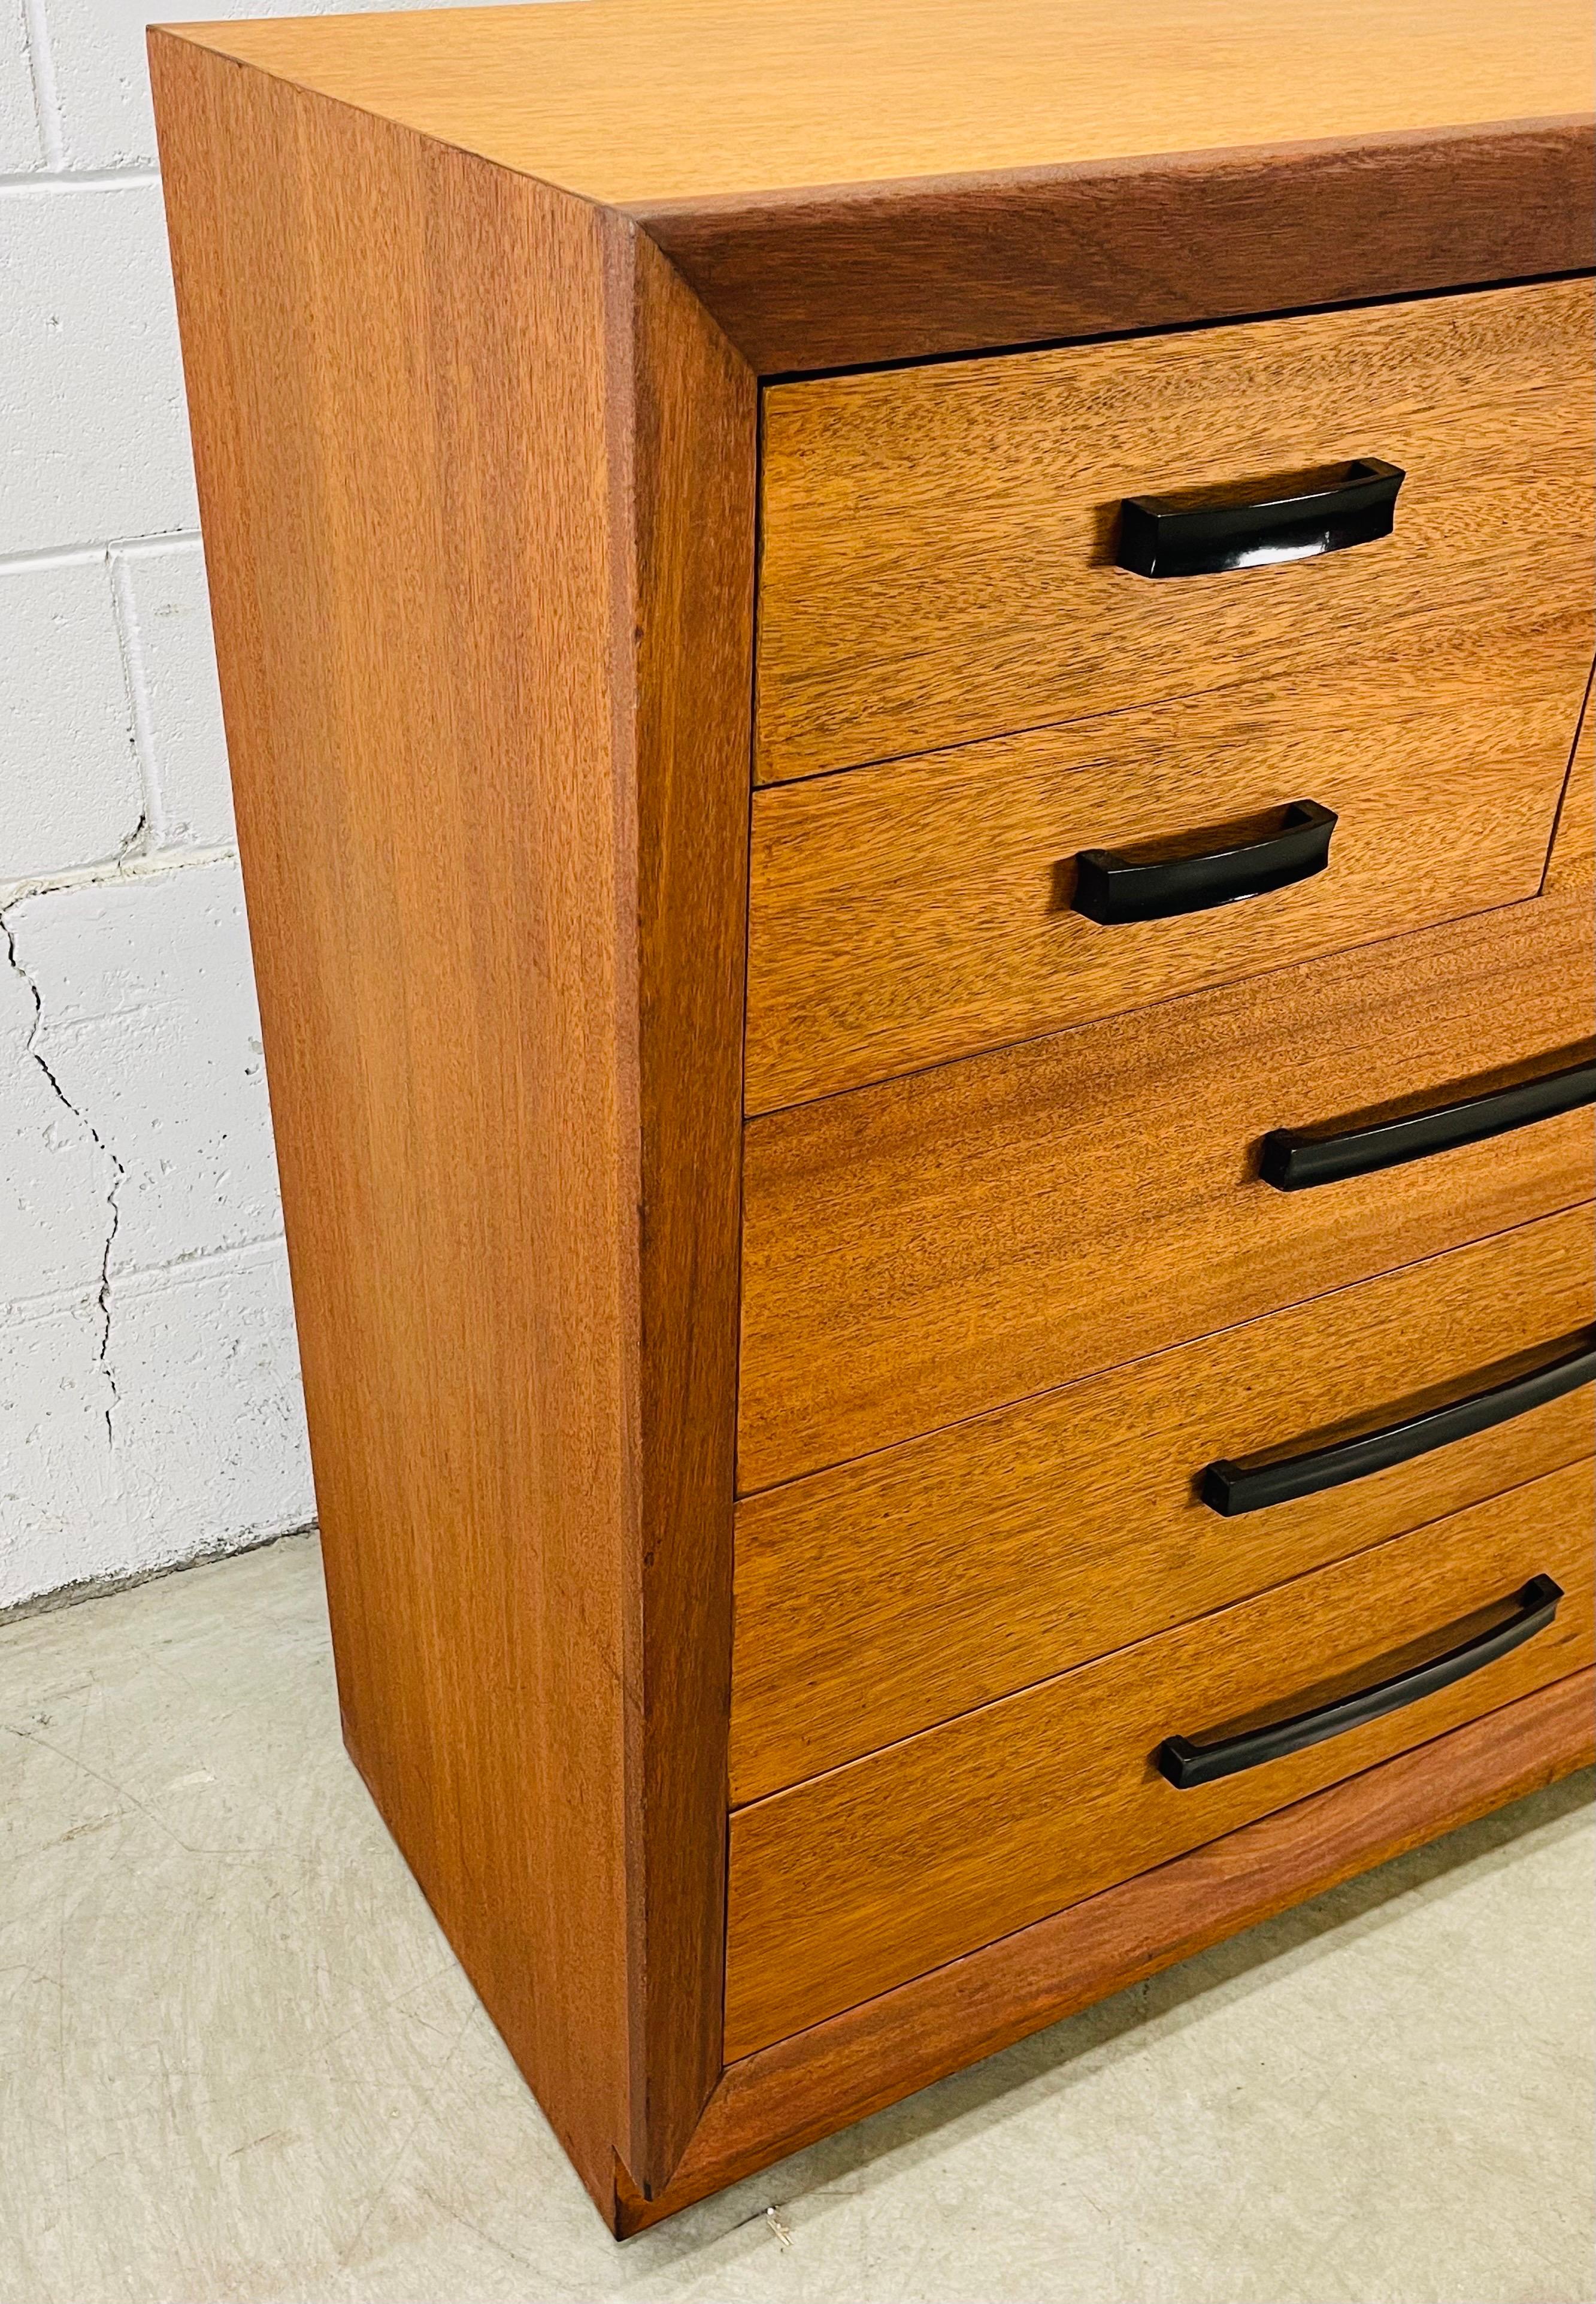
238, 2061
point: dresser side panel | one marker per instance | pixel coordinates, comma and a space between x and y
404, 395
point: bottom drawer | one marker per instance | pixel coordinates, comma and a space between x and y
849, 1884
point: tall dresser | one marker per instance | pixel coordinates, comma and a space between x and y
904, 690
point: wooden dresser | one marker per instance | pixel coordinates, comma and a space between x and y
918, 1409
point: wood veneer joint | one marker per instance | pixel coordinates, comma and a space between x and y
1569, 859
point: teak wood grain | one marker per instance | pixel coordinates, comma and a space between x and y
869, 274
922, 909
481, 561
937, 560
936, 1246
624, 104
841, 184
852, 1883
791, 2094
877, 1599
689, 460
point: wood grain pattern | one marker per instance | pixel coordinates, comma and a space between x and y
689, 458
623, 103
791, 2095
477, 479
868, 274
937, 559
850, 1883
877, 1599
921, 909
842, 185
936, 1246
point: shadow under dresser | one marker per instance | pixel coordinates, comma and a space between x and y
908, 700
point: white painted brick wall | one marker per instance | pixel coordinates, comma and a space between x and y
93, 441
71, 793
149, 1400
20, 146
97, 53
150, 1405
167, 616
147, 1027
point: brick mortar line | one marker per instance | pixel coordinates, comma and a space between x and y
145, 1279
113, 871
41, 80
54, 177
149, 837
79, 555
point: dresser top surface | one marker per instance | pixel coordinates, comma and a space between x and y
641, 103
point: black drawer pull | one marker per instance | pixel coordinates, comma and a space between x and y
1170, 536
1110, 888
1253, 1482
1294, 1158
1187, 1764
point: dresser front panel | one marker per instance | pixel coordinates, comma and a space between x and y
924, 909
938, 542
882, 1597
856, 1880
926, 1250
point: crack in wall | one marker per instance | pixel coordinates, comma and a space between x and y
133, 843
118, 1173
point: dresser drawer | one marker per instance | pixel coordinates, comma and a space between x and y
846, 1885
882, 1597
939, 543
936, 1246
930, 907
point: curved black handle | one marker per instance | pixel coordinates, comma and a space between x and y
1110, 888
1187, 1764
1295, 1158
1251, 1483
1171, 536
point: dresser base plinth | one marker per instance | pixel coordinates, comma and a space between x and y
794, 2093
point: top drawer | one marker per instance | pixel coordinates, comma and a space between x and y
938, 560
